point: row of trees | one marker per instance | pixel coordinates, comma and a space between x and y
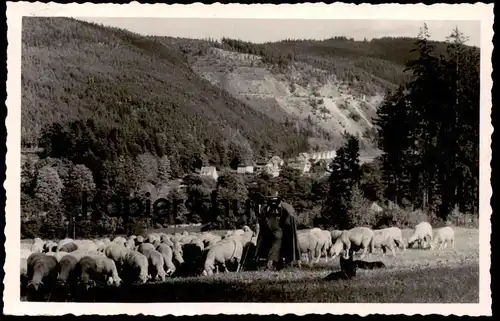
429, 130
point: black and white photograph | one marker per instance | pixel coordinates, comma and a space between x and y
155, 158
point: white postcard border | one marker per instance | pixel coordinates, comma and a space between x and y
15, 11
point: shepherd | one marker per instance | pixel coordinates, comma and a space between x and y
277, 239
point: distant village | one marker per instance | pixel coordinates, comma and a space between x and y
303, 162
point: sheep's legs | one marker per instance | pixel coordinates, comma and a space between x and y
238, 267
364, 253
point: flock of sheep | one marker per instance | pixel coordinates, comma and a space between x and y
82, 264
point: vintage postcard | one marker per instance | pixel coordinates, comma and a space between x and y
207, 159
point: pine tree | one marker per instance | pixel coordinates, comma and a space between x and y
459, 139
164, 170
146, 168
429, 130
345, 174
423, 120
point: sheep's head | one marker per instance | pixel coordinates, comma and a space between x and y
35, 284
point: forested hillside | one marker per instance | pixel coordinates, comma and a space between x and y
94, 92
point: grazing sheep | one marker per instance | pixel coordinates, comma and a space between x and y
166, 252
139, 240
78, 254
50, 246
443, 236
220, 253
135, 267
68, 247
383, 240
117, 253
119, 240
155, 265
423, 231
130, 244
335, 234
107, 267
360, 237
211, 239
308, 244
178, 253
337, 248
397, 236
100, 245
198, 243
164, 238
95, 268
37, 246
152, 237
42, 271
58, 255
244, 236
86, 245
62, 242
324, 244
145, 248
67, 267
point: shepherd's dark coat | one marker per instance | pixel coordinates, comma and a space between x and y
278, 236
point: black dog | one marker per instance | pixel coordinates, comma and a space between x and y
347, 270
369, 265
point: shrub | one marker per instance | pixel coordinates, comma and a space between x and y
360, 213
354, 116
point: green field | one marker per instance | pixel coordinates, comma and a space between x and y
414, 276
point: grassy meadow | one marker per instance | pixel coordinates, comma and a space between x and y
414, 276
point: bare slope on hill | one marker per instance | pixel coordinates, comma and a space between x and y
75, 70
324, 86
314, 98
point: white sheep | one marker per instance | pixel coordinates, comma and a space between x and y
37, 246
155, 265
99, 267
220, 253
384, 240
135, 267
86, 245
324, 244
443, 236
166, 252
422, 232
119, 240
116, 252
308, 244
357, 238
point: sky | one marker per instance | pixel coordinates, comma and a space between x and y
262, 30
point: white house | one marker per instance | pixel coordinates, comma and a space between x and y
245, 169
271, 167
209, 171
